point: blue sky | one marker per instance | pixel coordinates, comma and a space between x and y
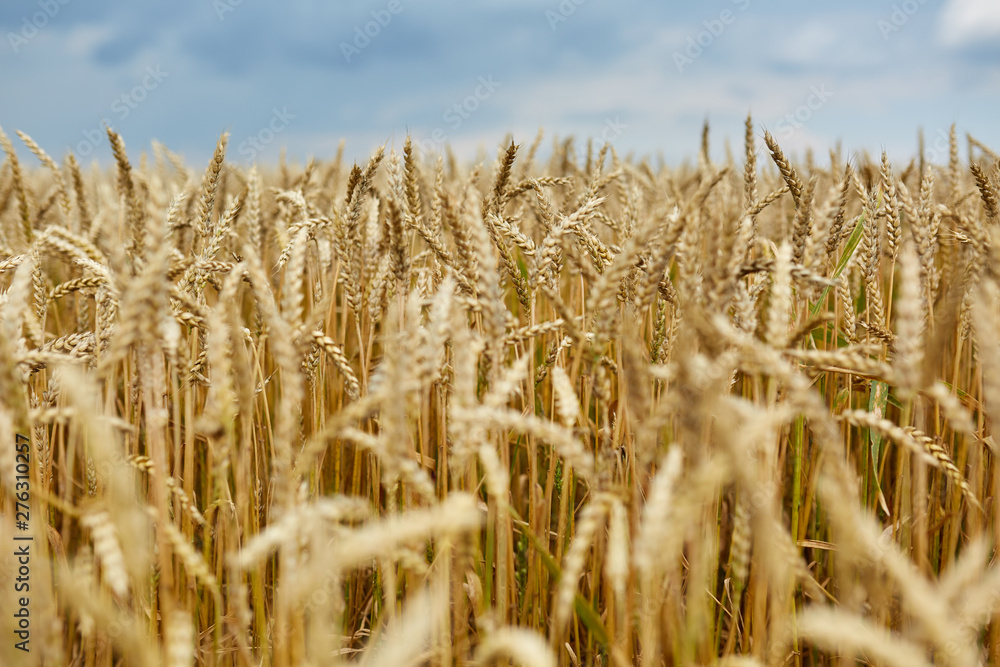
642, 74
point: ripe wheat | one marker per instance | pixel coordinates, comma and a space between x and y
570, 409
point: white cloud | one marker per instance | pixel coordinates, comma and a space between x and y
810, 43
966, 22
82, 40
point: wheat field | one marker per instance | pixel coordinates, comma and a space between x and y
591, 410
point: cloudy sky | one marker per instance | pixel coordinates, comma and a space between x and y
643, 74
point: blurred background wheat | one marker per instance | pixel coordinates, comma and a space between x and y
580, 410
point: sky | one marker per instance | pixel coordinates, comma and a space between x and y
303, 74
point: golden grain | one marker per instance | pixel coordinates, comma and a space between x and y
766, 437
